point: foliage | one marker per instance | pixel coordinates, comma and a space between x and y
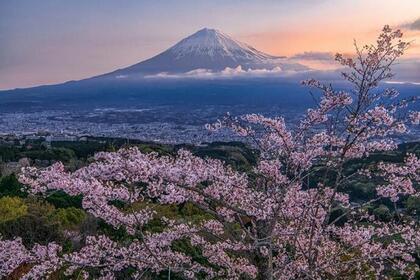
36, 226
10, 186
413, 205
382, 213
61, 199
69, 218
235, 154
61, 154
11, 208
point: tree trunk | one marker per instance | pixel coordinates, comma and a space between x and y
264, 254
265, 269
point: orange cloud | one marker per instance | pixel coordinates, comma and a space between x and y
331, 40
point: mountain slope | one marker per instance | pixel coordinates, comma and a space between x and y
206, 49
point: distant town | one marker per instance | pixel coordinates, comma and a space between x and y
54, 126
145, 125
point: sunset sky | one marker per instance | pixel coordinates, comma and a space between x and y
51, 41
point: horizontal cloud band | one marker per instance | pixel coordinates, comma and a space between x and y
227, 72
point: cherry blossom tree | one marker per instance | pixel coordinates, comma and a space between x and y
278, 221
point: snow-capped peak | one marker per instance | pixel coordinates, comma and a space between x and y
208, 49
212, 42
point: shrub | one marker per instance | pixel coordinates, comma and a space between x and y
69, 218
11, 208
10, 186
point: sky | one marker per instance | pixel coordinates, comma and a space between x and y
52, 41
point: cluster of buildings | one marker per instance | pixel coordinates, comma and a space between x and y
55, 126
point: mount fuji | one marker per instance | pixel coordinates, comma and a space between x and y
206, 53
208, 49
